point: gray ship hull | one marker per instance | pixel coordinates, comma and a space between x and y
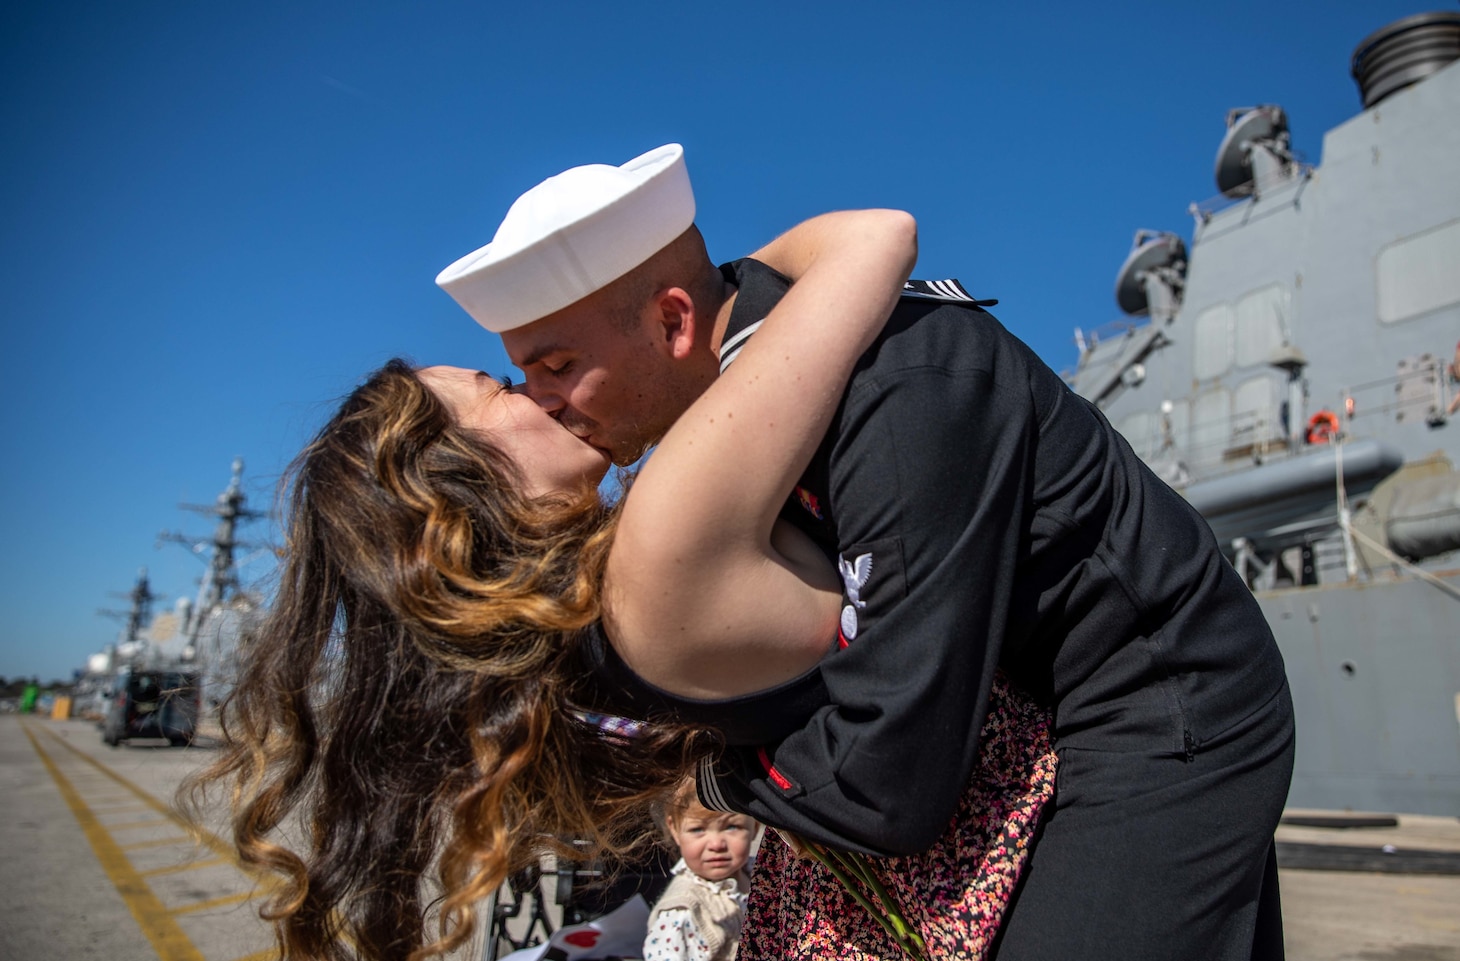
1374, 669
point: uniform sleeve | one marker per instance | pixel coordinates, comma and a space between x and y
930, 480
672, 937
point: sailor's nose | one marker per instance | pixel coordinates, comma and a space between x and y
549, 400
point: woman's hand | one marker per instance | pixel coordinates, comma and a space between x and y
793, 252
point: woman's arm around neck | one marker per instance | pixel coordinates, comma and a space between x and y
700, 597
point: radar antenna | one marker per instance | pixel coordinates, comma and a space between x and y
1153, 277
1151, 282
1256, 153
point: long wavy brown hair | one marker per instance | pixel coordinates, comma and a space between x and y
408, 718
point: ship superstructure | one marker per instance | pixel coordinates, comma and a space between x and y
1294, 372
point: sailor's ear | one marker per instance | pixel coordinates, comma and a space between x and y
674, 311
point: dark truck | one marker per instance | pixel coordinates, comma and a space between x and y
160, 704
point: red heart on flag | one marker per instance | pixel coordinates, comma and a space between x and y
582, 939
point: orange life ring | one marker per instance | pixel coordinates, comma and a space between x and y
1322, 427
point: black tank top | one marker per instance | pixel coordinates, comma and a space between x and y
752, 719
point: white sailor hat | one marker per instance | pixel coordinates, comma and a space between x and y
571, 235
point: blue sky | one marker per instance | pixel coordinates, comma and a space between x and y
218, 217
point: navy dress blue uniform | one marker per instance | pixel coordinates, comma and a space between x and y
984, 516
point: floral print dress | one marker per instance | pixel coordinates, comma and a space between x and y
954, 894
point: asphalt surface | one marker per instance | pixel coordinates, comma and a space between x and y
97, 866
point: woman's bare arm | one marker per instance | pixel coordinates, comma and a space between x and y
701, 598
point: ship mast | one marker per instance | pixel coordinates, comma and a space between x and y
220, 583
137, 617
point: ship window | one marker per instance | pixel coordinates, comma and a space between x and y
1417, 275
1255, 418
1262, 317
1142, 431
1211, 417
1213, 342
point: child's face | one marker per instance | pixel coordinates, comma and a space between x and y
715, 846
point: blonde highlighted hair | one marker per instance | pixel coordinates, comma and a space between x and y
409, 713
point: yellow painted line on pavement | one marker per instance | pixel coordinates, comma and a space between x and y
222, 902
272, 954
152, 916
1437, 923
224, 850
135, 825
157, 842
188, 866
214, 843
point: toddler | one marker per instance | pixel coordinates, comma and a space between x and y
700, 914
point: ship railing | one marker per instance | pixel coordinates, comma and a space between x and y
1202, 211
1255, 438
1421, 391
1271, 188
1087, 341
1216, 447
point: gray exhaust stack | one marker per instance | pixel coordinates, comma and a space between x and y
1405, 52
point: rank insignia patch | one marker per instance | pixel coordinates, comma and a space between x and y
948, 291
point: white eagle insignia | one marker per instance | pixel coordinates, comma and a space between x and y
854, 578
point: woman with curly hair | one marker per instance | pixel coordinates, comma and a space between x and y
411, 695
419, 710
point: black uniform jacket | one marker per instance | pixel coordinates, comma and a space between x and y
982, 515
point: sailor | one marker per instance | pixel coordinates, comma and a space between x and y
983, 517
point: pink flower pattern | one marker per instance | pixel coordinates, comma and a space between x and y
954, 894
674, 938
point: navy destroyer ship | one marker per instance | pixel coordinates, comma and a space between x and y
1294, 371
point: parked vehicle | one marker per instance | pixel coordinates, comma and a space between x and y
160, 704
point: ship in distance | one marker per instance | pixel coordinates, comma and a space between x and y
1294, 371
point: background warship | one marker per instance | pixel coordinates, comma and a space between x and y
199, 639
1295, 373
